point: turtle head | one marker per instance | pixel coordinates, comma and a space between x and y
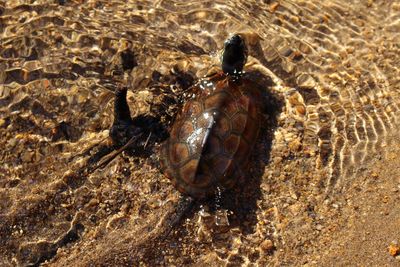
234, 55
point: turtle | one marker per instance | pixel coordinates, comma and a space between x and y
213, 135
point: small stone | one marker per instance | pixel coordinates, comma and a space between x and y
306, 81
295, 208
278, 160
295, 145
267, 245
13, 142
153, 203
385, 199
301, 109
273, 7
38, 156
27, 156
201, 15
221, 218
394, 249
294, 19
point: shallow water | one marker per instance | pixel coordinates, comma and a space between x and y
329, 72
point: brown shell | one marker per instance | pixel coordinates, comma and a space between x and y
212, 137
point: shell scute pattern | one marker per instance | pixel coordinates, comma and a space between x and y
212, 137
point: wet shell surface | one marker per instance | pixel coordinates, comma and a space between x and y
211, 139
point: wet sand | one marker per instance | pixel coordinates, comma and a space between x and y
322, 187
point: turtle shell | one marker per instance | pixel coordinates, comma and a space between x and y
212, 137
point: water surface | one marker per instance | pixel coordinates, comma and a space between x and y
331, 81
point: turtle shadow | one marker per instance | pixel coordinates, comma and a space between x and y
147, 130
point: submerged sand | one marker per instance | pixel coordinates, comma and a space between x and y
323, 186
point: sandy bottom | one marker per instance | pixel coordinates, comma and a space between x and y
323, 185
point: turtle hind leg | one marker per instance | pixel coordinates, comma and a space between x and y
184, 206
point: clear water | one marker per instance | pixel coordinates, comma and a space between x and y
333, 64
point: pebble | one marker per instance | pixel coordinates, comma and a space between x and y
12, 142
295, 145
267, 245
306, 81
273, 7
394, 249
301, 109
27, 156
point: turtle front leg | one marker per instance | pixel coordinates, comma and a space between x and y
123, 128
